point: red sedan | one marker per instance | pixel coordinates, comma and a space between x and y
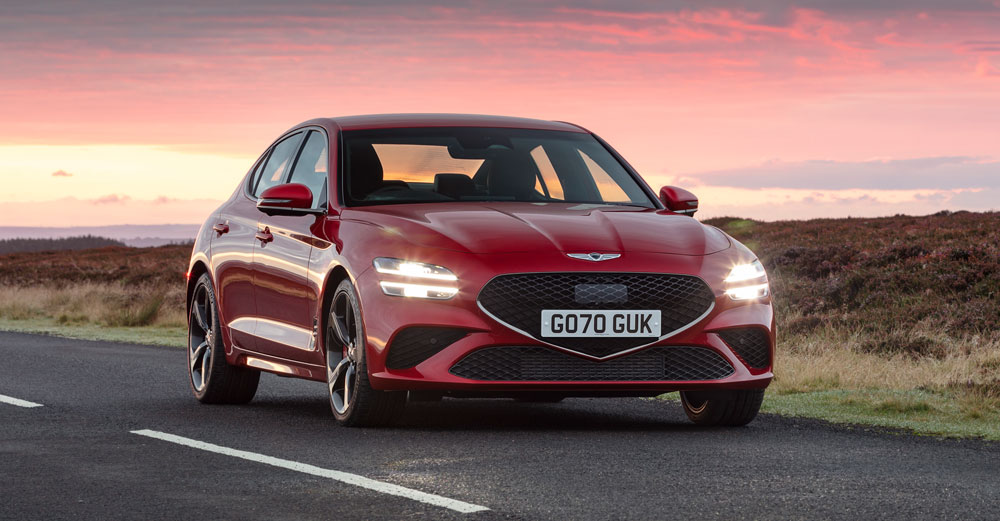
401, 257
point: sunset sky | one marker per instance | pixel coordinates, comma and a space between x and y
114, 112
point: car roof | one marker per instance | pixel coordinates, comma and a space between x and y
373, 121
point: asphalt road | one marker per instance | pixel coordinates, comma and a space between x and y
76, 457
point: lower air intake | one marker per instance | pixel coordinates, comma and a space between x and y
752, 344
416, 344
532, 363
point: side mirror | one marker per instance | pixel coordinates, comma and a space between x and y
287, 199
679, 200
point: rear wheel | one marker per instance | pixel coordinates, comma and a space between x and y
722, 408
211, 377
352, 399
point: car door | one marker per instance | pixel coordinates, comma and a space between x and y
286, 302
232, 260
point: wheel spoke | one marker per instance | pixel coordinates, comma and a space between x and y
339, 381
342, 316
197, 353
205, 364
200, 316
339, 371
347, 385
340, 330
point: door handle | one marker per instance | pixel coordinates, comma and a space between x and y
221, 228
264, 236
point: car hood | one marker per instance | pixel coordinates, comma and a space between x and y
542, 227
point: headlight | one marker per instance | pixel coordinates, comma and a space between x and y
418, 270
743, 272
402, 289
414, 270
747, 282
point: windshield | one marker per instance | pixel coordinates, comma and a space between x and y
431, 165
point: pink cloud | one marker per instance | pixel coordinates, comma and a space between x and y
111, 199
61, 173
984, 68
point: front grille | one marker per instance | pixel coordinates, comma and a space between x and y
752, 344
518, 300
416, 344
534, 363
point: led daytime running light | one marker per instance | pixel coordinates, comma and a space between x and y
403, 289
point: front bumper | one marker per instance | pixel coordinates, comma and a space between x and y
386, 316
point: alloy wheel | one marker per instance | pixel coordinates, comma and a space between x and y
342, 352
201, 337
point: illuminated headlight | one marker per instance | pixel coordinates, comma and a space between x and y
744, 272
418, 270
747, 282
403, 289
748, 292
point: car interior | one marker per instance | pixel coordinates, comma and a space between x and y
505, 172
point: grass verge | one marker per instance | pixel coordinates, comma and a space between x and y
172, 336
938, 413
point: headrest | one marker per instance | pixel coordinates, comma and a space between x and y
511, 174
454, 185
366, 170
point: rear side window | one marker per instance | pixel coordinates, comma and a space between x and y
277, 165
311, 168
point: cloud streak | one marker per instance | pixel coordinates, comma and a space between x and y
938, 173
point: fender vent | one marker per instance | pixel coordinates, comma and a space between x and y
413, 345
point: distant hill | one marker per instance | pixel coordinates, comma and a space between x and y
128, 234
82, 242
161, 266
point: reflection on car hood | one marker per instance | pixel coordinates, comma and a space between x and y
542, 227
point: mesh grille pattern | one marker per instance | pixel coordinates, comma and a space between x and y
518, 301
416, 344
533, 363
751, 343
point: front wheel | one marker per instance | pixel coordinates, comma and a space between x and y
211, 377
353, 400
722, 408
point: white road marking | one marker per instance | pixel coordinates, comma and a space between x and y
336, 475
17, 402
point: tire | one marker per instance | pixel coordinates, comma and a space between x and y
722, 408
352, 399
211, 378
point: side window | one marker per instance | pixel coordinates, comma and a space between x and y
255, 176
610, 190
278, 164
311, 167
552, 188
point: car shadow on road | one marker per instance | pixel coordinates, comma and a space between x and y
579, 414
573, 414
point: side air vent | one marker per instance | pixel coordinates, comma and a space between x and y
752, 344
416, 344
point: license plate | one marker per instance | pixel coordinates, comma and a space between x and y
597, 323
